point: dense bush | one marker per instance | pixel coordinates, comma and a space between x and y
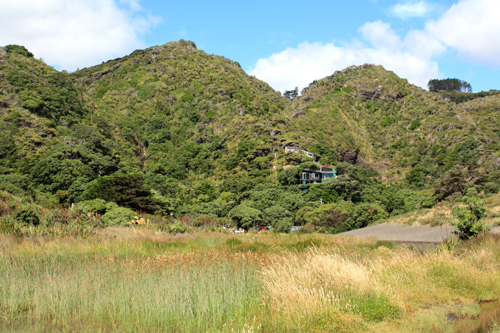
119, 216
275, 215
332, 217
468, 219
366, 213
19, 49
245, 217
27, 214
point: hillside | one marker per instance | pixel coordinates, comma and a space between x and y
171, 129
380, 120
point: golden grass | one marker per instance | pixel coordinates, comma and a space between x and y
139, 280
388, 284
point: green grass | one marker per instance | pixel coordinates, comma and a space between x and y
219, 282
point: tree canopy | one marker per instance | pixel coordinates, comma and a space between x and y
449, 85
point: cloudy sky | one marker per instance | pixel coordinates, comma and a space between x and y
285, 43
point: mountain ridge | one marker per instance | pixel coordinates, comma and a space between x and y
198, 130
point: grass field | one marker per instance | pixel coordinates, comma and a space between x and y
131, 280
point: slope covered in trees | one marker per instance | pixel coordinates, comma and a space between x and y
173, 129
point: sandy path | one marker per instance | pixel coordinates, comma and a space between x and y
405, 233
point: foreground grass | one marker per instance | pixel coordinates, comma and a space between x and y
264, 282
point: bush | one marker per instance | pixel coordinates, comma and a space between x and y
468, 219
27, 215
364, 214
282, 225
19, 49
119, 216
332, 217
176, 228
245, 217
278, 217
205, 220
96, 206
491, 188
9, 226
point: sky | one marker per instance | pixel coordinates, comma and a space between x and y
287, 44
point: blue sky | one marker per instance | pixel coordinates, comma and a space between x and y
285, 43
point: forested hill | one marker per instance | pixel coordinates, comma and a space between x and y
173, 129
399, 129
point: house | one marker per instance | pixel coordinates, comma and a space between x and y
296, 150
327, 172
310, 176
292, 149
316, 176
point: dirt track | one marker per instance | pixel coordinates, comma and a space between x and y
405, 234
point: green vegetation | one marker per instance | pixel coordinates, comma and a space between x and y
468, 219
449, 85
173, 131
135, 280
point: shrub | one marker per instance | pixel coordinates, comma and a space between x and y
282, 225
176, 228
19, 49
9, 226
244, 216
96, 206
28, 215
280, 218
468, 218
364, 214
333, 217
491, 188
205, 220
118, 216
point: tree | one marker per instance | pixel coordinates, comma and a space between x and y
278, 216
449, 85
468, 219
245, 217
291, 94
128, 190
289, 176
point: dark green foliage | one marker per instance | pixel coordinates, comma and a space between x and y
245, 217
189, 156
289, 176
332, 217
469, 218
366, 213
461, 97
118, 216
96, 206
168, 187
172, 129
414, 124
291, 94
449, 85
15, 184
277, 217
19, 50
127, 190
64, 164
27, 214
490, 188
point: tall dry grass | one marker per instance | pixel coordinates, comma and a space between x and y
384, 284
250, 282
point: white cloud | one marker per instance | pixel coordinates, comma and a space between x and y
411, 9
472, 28
380, 34
312, 61
76, 33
